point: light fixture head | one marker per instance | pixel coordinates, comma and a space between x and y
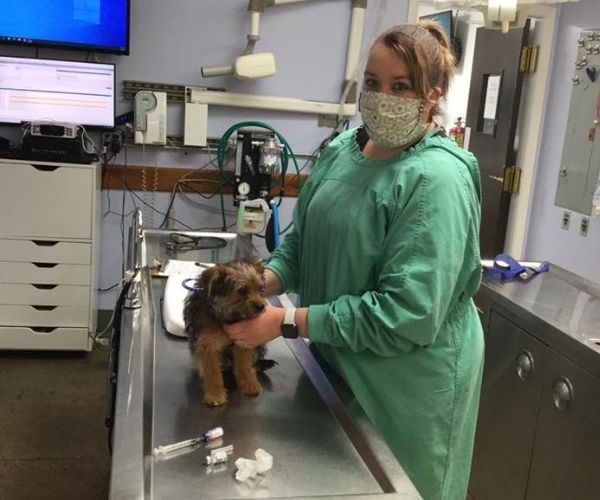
252, 66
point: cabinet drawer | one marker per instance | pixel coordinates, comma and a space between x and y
44, 338
42, 316
44, 295
52, 274
46, 201
62, 252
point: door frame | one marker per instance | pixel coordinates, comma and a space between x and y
533, 104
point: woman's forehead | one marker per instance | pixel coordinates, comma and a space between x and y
383, 59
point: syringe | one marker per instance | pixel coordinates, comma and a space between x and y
206, 436
169, 448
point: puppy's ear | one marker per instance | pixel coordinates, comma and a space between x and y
258, 264
215, 281
209, 277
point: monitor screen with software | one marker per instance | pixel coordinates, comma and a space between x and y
62, 91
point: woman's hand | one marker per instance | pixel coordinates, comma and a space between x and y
250, 333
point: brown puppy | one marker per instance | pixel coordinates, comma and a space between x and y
225, 293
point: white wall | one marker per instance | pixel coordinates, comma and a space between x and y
170, 41
546, 240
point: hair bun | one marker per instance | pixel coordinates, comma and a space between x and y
434, 28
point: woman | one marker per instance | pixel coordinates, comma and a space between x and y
385, 256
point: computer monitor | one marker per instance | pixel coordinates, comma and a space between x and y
91, 25
61, 91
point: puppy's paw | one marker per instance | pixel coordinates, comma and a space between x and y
215, 398
250, 388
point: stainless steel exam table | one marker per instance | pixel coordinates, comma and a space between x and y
321, 441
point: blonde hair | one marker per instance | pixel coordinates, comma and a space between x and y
427, 54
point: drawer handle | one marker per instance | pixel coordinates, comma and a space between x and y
563, 393
43, 243
44, 308
44, 264
45, 168
43, 287
525, 365
42, 329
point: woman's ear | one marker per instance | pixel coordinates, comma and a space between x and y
430, 103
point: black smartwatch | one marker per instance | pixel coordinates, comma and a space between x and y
289, 330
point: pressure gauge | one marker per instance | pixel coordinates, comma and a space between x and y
243, 188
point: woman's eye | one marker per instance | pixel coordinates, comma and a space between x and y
370, 83
401, 87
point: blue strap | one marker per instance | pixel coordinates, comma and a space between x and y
507, 267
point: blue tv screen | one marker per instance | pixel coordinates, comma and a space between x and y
91, 25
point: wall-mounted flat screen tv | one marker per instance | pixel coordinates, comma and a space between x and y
34, 89
91, 25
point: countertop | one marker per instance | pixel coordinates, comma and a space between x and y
562, 307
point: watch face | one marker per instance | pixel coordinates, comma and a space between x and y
289, 331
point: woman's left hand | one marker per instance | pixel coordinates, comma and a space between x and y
250, 333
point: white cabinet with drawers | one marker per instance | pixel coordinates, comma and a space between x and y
49, 229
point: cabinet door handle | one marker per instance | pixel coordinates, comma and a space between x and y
45, 168
525, 365
42, 243
563, 393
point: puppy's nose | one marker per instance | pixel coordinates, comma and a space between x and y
258, 307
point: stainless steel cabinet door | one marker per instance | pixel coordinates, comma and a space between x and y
512, 384
567, 444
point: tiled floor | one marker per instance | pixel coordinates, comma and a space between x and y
53, 442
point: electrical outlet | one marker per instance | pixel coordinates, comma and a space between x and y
566, 220
584, 227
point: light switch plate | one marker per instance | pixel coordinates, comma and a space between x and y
584, 226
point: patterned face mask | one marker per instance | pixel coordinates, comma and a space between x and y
391, 121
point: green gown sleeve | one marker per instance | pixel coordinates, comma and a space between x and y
424, 254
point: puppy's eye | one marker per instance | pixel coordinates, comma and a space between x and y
243, 291
261, 289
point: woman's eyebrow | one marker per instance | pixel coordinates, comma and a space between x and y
397, 77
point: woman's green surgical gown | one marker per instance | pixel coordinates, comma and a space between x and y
385, 253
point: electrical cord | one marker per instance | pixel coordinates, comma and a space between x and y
177, 188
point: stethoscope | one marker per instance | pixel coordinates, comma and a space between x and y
185, 284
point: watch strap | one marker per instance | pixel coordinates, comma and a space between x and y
288, 319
